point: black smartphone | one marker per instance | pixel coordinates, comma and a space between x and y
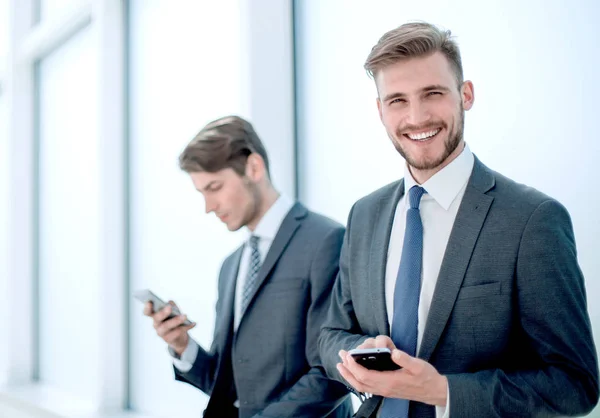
379, 359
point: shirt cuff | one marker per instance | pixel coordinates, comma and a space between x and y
444, 411
185, 363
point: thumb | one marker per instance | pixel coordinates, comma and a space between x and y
402, 359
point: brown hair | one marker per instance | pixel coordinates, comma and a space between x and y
223, 143
411, 40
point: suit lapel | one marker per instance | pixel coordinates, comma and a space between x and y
223, 386
231, 273
286, 231
467, 226
384, 220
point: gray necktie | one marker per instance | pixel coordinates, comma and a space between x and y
253, 269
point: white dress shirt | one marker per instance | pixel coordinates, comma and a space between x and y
266, 230
439, 206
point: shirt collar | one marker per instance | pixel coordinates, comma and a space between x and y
445, 185
269, 224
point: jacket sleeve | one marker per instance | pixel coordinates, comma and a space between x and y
340, 330
202, 375
314, 395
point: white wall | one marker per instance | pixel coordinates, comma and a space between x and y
185, 61
534, 67
3, 237
4, 193
69, 311
3, 34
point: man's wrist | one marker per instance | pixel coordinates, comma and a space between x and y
441, 391
176, 352
180, 348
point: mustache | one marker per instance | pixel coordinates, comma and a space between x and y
411, 128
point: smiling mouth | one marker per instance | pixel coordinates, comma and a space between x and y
423, 136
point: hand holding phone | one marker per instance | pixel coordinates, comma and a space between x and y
379, 359
169, 325
145, 296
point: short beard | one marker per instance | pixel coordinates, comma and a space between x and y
256, 200
454, 140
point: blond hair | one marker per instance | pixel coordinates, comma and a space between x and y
412, 40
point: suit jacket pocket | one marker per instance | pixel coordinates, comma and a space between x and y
280, 285
480, 290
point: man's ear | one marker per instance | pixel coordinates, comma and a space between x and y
468, 95
255, 167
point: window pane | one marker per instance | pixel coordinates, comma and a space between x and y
3, 38
185, 71
51, 9
68, 216
4, 231
4, 172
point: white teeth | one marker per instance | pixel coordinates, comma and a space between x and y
424, 135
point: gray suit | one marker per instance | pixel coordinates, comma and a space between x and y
508, 324
273, 357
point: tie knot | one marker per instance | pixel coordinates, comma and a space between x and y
253, 241
414, 196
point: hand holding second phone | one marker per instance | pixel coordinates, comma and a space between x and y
417, 380
172, 330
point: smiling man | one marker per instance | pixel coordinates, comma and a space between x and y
470, 279
274, 290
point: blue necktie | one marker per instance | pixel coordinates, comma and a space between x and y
406, 295
253, 269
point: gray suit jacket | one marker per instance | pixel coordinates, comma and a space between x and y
273, 357
508, 324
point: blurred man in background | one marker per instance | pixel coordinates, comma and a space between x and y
273, 291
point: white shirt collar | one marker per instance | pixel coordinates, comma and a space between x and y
445, 185
271, 221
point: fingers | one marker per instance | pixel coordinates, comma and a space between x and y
351, 365
358, 371
412, 364
356, 375
349, 377
165, 327
383, 341
148, 309
345, 357
368, 343
160, 316
173, 336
